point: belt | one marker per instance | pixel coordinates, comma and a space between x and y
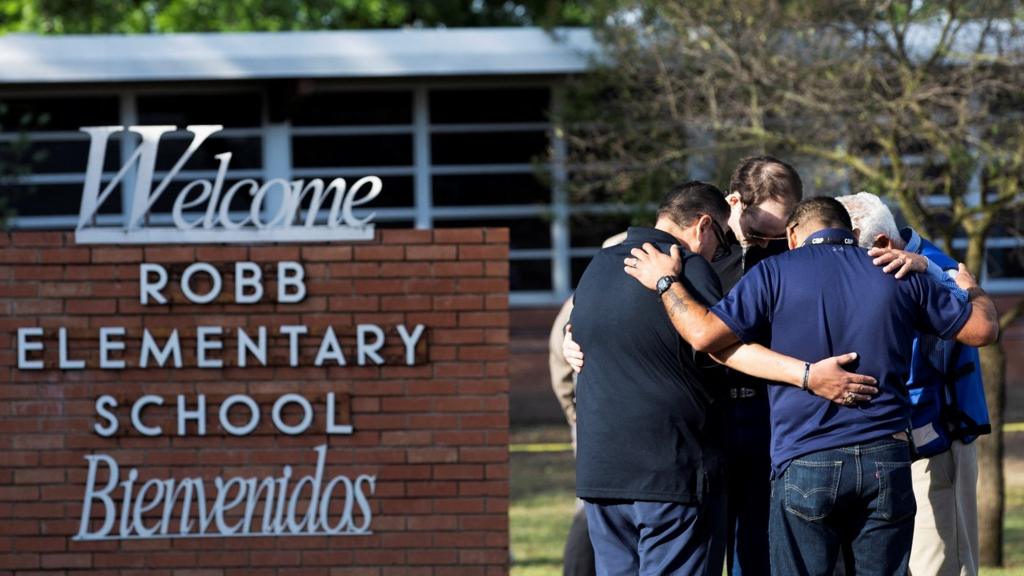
742, 392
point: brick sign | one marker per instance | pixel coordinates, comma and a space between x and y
263, 409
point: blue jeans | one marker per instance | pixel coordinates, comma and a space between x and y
859, 498
648, 538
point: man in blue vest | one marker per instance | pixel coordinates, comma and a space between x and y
841, 474
949, 410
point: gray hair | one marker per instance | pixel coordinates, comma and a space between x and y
872, 217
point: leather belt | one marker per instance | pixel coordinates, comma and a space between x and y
742, 392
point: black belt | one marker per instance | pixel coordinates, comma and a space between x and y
742, 392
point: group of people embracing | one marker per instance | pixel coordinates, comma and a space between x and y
769, 380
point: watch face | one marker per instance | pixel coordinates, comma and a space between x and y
664, 283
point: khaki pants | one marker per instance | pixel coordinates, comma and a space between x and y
946, 525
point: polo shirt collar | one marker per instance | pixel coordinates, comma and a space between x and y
831, 236
912, 240
641, 234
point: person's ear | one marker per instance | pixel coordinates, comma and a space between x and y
703, 224
791, 236
733, 198
882, 241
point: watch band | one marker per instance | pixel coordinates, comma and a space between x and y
664, 283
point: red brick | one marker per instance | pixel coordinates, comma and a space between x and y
378, 253
65, 255
38, 239
486, 285
169, 254
116, 255
266, 254
332, 253
497, 268
433, 557
459, 472
67, 561
221, 253
400, 236
432, 252
458, 269
90, 306
403, 269
497, 235
483, 252
458, 235
19, 561
424, 455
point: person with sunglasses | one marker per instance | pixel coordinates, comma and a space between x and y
763, 191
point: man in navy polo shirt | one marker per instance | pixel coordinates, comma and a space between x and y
841, 475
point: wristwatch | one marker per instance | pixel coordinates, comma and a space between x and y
664, 283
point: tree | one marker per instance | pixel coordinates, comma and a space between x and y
916, 100
134, 16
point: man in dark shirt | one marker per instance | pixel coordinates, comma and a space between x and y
841, 474
642, 456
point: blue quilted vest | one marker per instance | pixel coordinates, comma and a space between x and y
945, 385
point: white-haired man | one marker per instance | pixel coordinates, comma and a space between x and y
949, 409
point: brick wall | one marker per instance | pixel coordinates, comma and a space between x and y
434, 434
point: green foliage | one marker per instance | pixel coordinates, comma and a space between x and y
137, 16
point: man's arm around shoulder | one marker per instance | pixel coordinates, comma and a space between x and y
982, 326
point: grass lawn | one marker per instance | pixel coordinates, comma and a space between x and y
543, 502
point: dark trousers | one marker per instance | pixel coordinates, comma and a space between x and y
579, 553
856, 498
748, 498
655, 538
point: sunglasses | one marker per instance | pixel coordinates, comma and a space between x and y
755, 235
723, 249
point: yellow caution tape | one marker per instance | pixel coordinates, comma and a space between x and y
541, 447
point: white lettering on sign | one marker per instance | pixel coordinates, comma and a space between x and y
201, 211
233, 507
208, 347
106, 406
119, 506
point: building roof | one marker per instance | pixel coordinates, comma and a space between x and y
33, 59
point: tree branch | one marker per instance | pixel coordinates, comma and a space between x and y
1008, 317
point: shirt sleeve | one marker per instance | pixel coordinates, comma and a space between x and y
943, 310
747, 308
947, 278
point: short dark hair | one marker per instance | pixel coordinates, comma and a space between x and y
824, 210
759, 178
686, 202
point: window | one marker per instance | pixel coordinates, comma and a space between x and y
40, 139
489, 150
